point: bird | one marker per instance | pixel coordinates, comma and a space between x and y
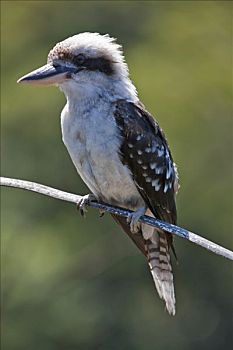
116, 145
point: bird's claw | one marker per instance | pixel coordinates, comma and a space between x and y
84, 202
101, 213
133, 219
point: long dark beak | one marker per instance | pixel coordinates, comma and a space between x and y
48, 75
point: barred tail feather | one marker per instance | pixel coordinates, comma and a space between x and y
154, 245
160, 265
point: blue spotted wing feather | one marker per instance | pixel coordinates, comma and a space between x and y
145, 152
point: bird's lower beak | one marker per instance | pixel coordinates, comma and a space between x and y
47, 75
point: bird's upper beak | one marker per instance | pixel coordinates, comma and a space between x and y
48, 75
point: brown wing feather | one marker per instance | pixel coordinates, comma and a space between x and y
146, 152
136, 237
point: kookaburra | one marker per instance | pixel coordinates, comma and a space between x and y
117, 147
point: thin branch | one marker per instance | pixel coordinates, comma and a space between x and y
74, 198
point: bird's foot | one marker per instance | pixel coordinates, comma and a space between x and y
84, 202
133, 219
101, 213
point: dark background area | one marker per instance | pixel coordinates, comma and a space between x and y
70, 283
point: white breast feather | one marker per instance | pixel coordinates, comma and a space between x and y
93, 142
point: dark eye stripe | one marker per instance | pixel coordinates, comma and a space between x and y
99, 64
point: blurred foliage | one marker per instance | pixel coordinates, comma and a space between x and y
69, 283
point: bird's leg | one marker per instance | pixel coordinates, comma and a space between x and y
84, 202
133, 219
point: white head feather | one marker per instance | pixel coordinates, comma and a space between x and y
94, 45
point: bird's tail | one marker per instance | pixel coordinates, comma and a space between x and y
159, 260
155, 246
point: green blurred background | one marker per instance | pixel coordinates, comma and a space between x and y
70, 283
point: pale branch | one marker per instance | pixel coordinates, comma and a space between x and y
74, 198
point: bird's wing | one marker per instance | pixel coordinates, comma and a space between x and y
137, 238
145, 151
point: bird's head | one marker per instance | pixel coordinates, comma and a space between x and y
85, 59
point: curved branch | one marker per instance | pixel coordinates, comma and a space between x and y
74, 198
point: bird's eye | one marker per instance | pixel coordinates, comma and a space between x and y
80, 59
